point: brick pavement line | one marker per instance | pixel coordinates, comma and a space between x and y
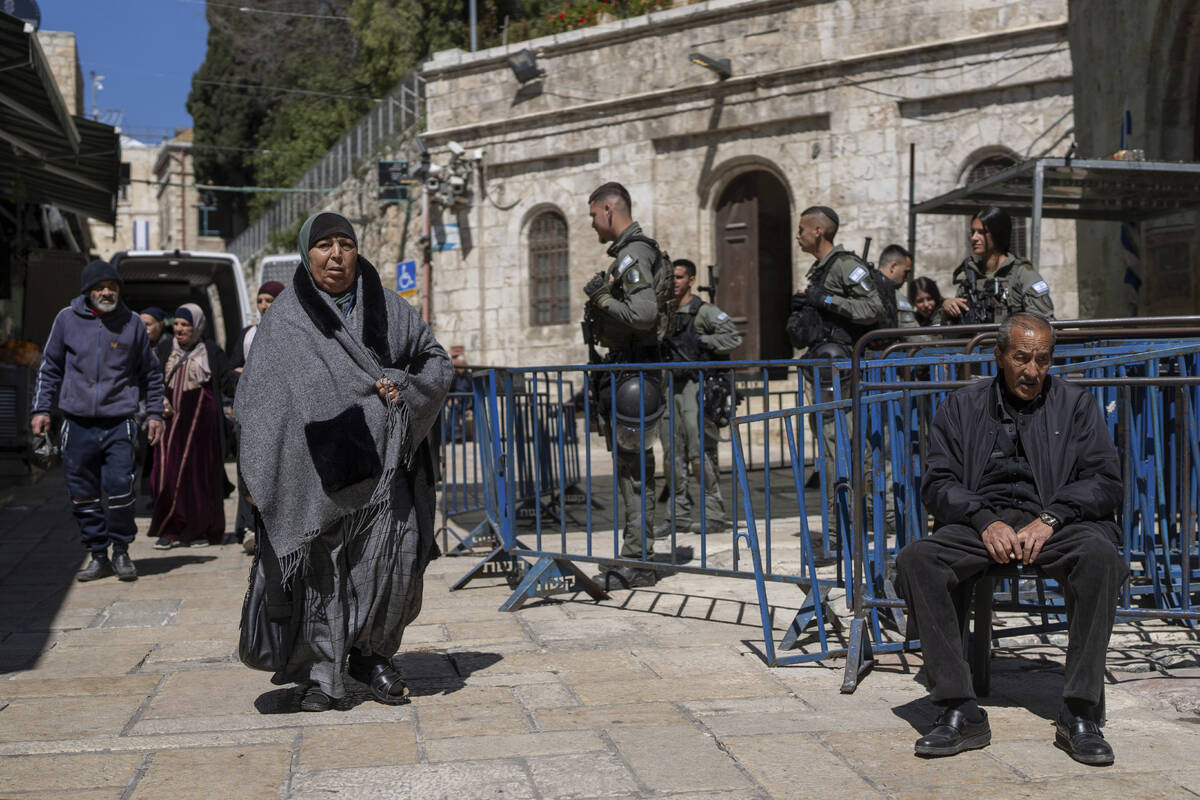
136, 717
138, 774
297, 745
643, 789
819, 736
698, 723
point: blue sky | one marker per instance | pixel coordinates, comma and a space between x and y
146, 49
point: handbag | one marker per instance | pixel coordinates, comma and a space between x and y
45, 454
267, 628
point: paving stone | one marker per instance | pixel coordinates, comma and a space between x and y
358, 745
90, 661
796, 764
73, 794
204, 650
731, 684
546, 695
599, 716
135, 613
209, 692
66, 717
483, 780
445, 721
677, 758
214, 772
46, 773
135, 743
886, 759
1096, 783
365, 712
142, 684
512, 745
579, 776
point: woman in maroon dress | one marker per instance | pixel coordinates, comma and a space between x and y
189, 471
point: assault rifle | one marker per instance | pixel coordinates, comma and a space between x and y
982, 304
714, 278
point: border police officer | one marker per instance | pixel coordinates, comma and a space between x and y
839, 305
994, 284
894, 265
623, 312
700, 332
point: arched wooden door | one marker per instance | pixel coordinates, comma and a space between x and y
755, 255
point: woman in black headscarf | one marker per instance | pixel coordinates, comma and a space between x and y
337, 397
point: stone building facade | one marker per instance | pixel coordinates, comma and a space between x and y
824, 101
178, 201
1143, 58
137, 204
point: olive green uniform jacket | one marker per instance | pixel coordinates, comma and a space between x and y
1022, 288
627, 309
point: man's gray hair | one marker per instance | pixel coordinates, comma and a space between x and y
1026, 320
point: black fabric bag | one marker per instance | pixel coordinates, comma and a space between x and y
267, 629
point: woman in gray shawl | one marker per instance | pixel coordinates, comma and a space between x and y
338, 393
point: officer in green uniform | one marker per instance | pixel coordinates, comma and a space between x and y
894, 265
624, 314
994, 284
700, 332
839, 305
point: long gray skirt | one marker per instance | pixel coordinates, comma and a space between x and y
355, 591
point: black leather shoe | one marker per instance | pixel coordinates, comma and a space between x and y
377, 672
627, 578
953, 734
315, 699
1082, 740
123, 566
97, 568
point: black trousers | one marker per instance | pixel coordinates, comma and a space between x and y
936, 570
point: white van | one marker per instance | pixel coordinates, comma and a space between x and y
277, 268
170, 278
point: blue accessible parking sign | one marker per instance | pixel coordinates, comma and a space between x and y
406, 278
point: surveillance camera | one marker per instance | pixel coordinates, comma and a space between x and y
436, 169
456, 148
478, 154
433, 184
456, 182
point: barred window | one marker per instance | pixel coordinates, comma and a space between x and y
1020, 225
549, 275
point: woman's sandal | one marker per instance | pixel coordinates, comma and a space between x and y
315, 700
385, 683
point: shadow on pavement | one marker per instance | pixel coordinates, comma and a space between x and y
158, 566
426, 673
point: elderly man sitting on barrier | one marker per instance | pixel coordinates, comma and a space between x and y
1021, 470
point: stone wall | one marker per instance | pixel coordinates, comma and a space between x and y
1144, 57
63, 57
825, 95
136, 201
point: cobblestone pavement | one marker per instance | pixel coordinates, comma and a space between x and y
114, 690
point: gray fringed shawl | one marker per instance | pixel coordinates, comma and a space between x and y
317, 444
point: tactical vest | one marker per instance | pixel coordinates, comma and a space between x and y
887, 294
837, 328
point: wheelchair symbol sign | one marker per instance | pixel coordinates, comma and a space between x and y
406, 278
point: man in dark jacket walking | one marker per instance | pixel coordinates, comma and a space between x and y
1020, 469
99, 363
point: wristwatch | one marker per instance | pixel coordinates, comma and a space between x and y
1050, 520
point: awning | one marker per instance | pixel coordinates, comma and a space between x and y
1124, 191
47, 155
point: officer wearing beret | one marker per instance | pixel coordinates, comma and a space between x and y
624, 314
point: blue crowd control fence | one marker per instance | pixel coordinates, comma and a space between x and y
1146, 380
463, 487
537, 441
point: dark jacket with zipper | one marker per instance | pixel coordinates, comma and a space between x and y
1075, 465
98, 365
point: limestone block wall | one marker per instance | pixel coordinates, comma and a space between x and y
63, 57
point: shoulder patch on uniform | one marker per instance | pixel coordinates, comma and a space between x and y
624, 265
722, 316
858, 274
1040, 287
633, 276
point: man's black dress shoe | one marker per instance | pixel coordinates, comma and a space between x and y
315, 699
123, 566
953, 734
96, 568
377, 672
1082, 740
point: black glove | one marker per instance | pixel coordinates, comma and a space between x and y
818, 296
799, 301
598, 282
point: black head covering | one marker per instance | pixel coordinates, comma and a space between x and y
95, 272
328, 223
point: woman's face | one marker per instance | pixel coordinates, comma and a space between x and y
185, 332
981, 240
925, 304
264, 301
334, 263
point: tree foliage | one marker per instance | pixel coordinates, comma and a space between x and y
276, 90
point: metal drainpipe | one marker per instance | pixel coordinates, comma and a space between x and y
427, 251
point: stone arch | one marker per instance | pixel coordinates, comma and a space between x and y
546, 256
1175, 86
716, 180
982, 154
987, 160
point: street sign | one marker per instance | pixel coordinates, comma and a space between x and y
393, 180
446, 237
406, 278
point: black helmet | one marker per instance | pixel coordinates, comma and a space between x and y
636, 396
